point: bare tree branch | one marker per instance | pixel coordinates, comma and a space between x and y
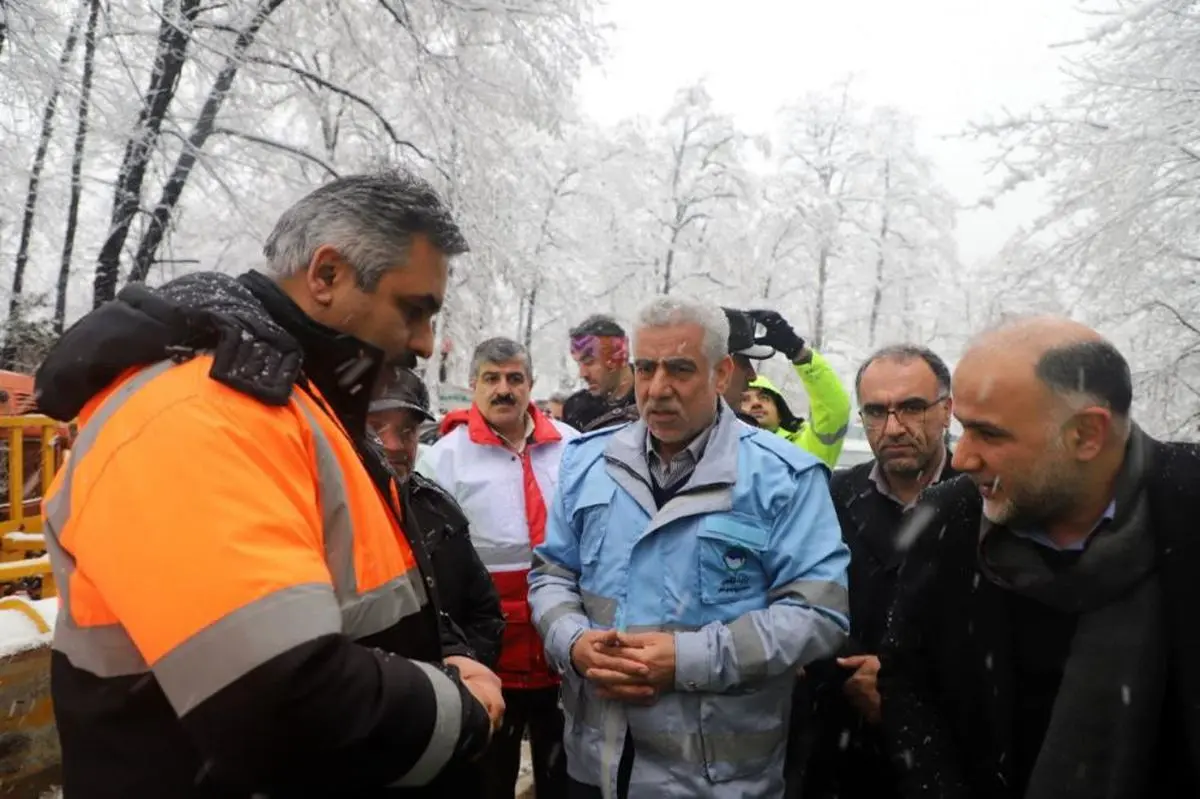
277, 145
356, 98
1175, 313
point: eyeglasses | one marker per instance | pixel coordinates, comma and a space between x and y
909, 413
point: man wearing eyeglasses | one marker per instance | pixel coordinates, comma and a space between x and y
904, 403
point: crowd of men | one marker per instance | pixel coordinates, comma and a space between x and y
269, 588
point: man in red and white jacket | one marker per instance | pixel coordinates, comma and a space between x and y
500, 461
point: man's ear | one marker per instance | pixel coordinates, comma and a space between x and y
723, 373
1089, 432
326, 271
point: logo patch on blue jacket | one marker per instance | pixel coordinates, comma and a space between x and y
735, 582
735, 558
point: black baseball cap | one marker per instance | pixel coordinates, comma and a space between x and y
402, 390
741, 336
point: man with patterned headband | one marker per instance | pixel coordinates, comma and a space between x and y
600, 347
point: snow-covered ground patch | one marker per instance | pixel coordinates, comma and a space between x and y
525, 775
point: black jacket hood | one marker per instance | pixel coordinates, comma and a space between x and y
206, 310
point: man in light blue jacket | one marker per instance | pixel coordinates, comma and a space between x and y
691, 564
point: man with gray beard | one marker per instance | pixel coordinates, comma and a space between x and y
1042, 642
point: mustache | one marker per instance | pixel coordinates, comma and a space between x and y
504, 399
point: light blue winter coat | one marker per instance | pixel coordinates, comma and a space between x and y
746, 566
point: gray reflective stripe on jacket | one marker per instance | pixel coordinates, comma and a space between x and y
691, 747
503, 556
242, 640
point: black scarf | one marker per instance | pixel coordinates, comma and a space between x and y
1103, 729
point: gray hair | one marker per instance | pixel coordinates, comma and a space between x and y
370, 219
668, 311
500, 350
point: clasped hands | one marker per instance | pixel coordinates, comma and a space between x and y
628, 667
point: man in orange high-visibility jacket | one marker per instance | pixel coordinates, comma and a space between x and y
242, 612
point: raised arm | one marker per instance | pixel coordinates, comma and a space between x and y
828, 409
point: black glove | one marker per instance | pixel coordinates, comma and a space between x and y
779, 335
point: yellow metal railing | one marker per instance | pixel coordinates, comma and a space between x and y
22, 545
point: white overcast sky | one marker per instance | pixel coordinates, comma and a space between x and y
944, 61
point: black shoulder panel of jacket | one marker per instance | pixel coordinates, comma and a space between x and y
329, 717
952, 493
581, 407
622, 414
201, 311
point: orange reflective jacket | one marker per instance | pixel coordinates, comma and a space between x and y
203, 539
221, 515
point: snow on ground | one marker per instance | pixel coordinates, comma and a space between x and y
19, 633
525, 775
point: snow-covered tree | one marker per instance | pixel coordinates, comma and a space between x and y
1121, 157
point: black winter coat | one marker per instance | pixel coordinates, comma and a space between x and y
848, 758
465, 590
946, 679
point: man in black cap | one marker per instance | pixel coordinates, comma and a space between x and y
466, 591
744, 350
756, 396
396, 413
